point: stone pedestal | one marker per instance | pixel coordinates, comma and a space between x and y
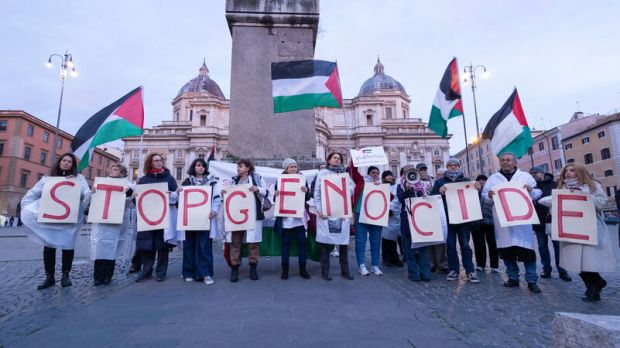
586, 330
266, 31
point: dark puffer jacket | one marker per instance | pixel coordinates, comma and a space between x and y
154, 240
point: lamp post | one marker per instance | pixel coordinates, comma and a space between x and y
471, 70
66, 63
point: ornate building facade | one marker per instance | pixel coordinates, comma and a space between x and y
380, 115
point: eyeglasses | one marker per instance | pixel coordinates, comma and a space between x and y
158, 160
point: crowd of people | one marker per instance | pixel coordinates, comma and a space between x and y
392, 244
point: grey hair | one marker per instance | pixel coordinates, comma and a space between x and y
509, 154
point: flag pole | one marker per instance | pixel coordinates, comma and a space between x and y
141, 164
344, 112
464, 125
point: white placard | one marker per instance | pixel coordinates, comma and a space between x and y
152, 206
239, 208
424, 218
375, 202
369, 156
335, 197
107, 204
463, 202
574, 217
513, 205
194, 208
60, 200
291, 199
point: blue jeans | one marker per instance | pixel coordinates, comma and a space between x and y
418, 263
462, 233
545, 256
197, 255
512, 269
362, 231
287, 236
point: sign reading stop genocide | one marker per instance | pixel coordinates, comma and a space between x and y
463, 202
291, 199
375, 204
239, 208
574, 217
107, 204
152, 206
194, 208
60, 200
424, 219
513, 205
335, 197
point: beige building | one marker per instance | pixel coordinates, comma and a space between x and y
379, 115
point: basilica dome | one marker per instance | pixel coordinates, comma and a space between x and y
380, 82
202, 84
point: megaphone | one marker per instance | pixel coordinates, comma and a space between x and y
412, 176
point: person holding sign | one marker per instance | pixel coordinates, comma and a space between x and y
456, 231
291, 226
514, 243
333, 230
151, 243
390, 235
198, 244
258, 187
588, 260
363, 230
418, 263
109, 242
55, 235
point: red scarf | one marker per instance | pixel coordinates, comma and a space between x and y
156, 171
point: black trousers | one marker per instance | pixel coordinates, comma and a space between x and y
148, 259
389, 251
136, 260
103, 270
591, 278
484, 235
49, 260
343, 258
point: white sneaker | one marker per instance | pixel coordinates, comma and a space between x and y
208, 280
495, 270
452, 275
189, 279
376, 270
363, 271
480, 269
335, 253
471, 277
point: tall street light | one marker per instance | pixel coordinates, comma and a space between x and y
471, 71
66, 64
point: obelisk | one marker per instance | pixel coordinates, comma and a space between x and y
266, 31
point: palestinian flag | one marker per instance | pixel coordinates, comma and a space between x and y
212, 154
508, 129
305, 84
123, 118
447, 102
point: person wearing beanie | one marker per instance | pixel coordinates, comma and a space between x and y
456, 231
292, 227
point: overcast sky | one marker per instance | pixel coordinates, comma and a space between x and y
557, 53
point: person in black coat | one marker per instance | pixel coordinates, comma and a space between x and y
151, 243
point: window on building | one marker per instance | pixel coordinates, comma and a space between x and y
570, 160
568, 146
388, 113
30, 130
601, 134
558, 164
23, 179
27, 151
404, 113
1, 148
555, 142
134, 173
98, 172
4, 124
201, 156
100, 160
90, 173
369, 120
176, 117
545, 167
587, 158
43, 157
530, 151
203, 120
45, 137
605, 154
609, 172
179, 153
135, 154
191, 115
585, 140
611, 190
58, 143
107, 163
541, 146
179, 173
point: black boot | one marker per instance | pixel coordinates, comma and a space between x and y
253, 272
98, 272
284, 274
65, 281
48, 282
234, 273
109, 271
302, 272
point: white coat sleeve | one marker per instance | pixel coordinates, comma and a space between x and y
599, 197
34, 193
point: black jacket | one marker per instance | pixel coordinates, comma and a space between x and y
546, 186
154, 240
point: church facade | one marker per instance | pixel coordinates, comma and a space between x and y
380, 115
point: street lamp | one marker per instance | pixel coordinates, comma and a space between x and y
471, 70
66, 64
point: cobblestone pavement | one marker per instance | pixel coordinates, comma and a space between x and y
454, 313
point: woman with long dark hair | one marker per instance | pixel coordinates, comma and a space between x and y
332, 231
53, 236
247, 175
198, 245
587, 260
152, 243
